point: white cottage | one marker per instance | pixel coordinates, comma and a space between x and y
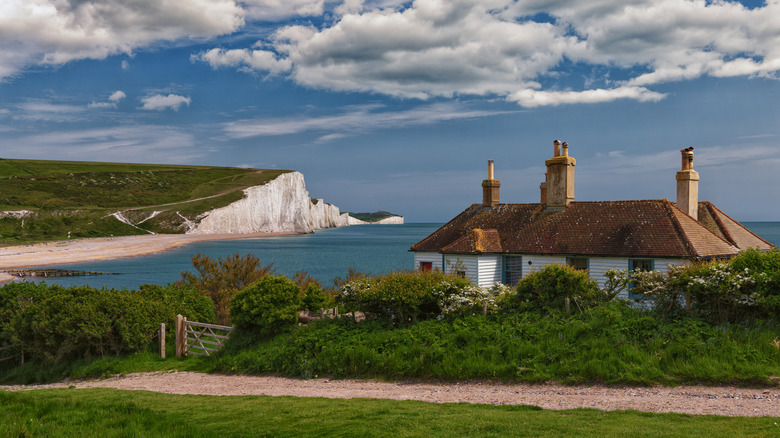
493, 242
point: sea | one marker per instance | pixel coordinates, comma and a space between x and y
325, 255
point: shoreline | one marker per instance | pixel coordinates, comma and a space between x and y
63, 252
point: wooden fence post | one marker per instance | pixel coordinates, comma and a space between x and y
162, 340
179, 335
567, 304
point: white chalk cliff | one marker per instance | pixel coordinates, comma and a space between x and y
279, 206
394, 220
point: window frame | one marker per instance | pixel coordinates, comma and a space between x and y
506, 272
631, 269
572, 260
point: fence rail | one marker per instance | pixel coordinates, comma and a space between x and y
199, 338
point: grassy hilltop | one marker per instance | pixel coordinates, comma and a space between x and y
80, 199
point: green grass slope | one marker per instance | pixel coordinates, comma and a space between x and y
77, 199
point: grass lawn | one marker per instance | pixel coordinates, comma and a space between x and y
108, 413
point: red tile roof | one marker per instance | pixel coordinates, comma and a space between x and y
645, 228
724, 226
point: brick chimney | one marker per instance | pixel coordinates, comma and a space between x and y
560, 178
543, 189
490, 189
688, 185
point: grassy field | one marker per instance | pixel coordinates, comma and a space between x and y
76, 199
110, 413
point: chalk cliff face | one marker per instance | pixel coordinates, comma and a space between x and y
280, 206
395, 220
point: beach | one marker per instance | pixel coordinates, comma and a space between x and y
102, 248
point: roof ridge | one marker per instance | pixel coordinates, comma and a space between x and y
720, 224
679, 228
739, 223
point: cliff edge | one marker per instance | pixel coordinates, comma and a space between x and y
282, 205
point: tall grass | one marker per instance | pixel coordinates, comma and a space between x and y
612, 344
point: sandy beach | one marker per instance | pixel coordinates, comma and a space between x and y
86, 250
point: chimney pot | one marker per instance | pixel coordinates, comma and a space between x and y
688, 185
559, 180
490, 189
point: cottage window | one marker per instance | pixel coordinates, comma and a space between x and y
460, 274
578, 262
642, 265
513, 269
426, 266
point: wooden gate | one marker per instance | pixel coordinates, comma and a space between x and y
199, 338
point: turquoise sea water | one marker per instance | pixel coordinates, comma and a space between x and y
324, 255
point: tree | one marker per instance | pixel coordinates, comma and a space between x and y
222, 279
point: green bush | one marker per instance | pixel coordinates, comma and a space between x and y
744, 288
268, 305
400, 296
313, 298
53, 323
548, 288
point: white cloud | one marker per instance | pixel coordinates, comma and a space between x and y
150, 143
532, 98
125, 64
251, 59
501, 47
115, 97
53, 32
42, 110
353, 121
158, 102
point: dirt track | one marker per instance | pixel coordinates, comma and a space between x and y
726, 401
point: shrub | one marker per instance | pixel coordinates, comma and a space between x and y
313, 296
400, 296
221, 279
459, 300
547, 289
55, 323
268, 305
746, 287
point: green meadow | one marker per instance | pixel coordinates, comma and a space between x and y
114, 413
71, 199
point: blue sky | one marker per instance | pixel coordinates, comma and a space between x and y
398, 105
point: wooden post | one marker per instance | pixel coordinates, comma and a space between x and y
162, 340
179, 335
567, 304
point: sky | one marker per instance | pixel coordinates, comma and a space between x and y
397, 105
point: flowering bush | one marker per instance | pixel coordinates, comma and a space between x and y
466, 300
745, 287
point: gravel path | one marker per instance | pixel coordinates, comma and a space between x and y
726, 401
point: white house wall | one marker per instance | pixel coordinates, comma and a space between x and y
434, 257
468, 263
485, 270
490, 270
